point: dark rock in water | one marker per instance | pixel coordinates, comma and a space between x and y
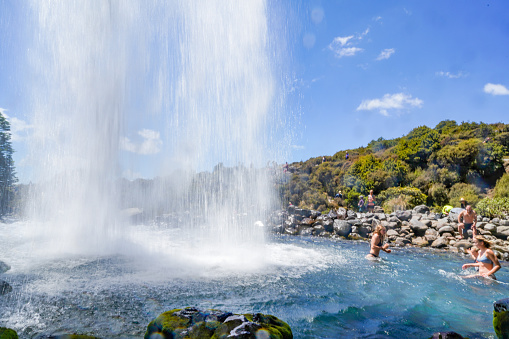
4, 267
328, 225
7, 333
446, 335
4, 287
404, 215
423, 209
194, 323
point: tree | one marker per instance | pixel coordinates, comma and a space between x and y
7, 172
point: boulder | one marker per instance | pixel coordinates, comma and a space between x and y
501, 318
5, 287
418, 227
194, 323
502, 232
342, 227
463, 243
446, 335
291, 231
439, 243
422, 209
495, 221
420, 241
364, 230
328, 225
315, 214
378, 209
341, 213
7, 333
490, 228
304, 213
404, 215
318, 229
4, 267
392, 233
332, 214
504, 222
401, 241
305, 230
446, 229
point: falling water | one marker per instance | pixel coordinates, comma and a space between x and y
197, 79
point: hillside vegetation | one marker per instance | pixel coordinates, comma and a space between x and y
432, 166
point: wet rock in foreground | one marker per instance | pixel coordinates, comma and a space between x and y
194, 323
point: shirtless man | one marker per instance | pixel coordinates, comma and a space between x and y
467, 219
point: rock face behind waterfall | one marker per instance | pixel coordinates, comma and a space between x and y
194, 323
417, 227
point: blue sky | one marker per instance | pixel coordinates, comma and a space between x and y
356, 71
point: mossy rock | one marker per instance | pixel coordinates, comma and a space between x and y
7, 333
193, 323
501, 324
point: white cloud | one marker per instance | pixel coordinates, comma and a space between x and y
347, 51
398, 101
309, 40
386, 54
317, 15
340, 40
346, 45
151, 143
19, 128
451, 75
496, 89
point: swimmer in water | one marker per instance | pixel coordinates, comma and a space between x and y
486, 260
377, 242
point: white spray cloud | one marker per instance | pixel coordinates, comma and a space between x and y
343, 46
150, 144
398, 101
386, 54
496, 89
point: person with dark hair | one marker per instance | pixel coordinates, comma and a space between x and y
486, 260
361, 204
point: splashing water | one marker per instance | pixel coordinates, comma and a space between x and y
196, 81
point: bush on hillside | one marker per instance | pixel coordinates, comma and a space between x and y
417, 146
400, 203
466, 191
411, 195
459, 158
493, 208
437, 194
502, 187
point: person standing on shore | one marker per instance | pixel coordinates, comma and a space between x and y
377, 242
486, 259
361, 204
371, 201
467, 219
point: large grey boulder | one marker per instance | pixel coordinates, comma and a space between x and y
418, 227
490, 228
404, 215
342, 227
439, 243
463, 243
364, 230
446, 229
502, 232
328, 225
401, 241
422, 209
341, 213
420, 241
504, 222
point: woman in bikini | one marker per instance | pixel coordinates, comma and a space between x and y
377, 242
486, 260
371, 201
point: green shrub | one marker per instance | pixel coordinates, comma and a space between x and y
491, 208
461, 190
502, 187
438, 194
413, 196
396, 204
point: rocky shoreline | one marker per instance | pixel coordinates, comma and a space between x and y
418, 227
